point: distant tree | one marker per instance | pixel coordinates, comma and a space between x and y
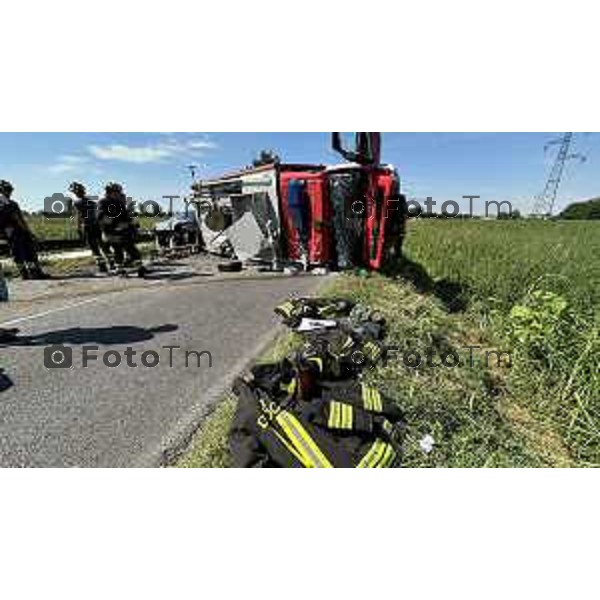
266, 157
582, 211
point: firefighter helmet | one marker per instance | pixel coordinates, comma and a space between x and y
6, 187
114, 188
78, 189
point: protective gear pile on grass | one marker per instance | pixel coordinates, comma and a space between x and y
313, 409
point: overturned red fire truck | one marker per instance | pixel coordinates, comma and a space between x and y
342, 216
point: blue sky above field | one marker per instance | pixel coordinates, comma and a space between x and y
446, 166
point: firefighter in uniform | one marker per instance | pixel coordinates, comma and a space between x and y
20, 239
118, 230
87, 223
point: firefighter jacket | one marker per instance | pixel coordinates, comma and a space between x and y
340, 424
86, 213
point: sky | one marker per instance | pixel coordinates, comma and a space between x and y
445, 166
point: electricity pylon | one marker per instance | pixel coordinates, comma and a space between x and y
192, 169
546, 201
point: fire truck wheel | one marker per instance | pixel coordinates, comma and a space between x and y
235, 266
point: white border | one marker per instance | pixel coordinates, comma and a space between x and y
268, 65
464, 65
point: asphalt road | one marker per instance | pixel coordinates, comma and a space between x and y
127, 416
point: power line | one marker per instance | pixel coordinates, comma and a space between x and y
546, 201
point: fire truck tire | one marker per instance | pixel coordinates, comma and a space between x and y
234, 266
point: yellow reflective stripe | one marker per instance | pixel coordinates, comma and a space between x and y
291, 449
380, 455
286, 308
372, 399
377, 405
372, 350
334, 418
388, 457
347, 414
290, 387
372, 457
305, 446
340, 415
366, 397
387, 427
319, 362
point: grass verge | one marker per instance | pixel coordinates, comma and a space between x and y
529, 288
470, 410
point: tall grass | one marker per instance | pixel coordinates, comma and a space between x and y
500, 261
536, 286
52, 229
45, 228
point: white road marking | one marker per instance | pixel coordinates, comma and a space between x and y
148, 285
49, 312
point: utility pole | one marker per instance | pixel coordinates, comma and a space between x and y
546, 201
